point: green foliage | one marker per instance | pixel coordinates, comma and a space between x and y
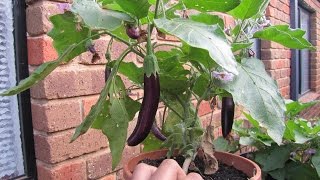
97, 18
249, 8
67, 31
185, 72
286, 36
138, 8
208, 19
300, 140
211, 5
210, 38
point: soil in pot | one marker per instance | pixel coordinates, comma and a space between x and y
225, 172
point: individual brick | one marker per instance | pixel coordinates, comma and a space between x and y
55, 115
70, 81
40, 50
38, 14
56, 147
69, 170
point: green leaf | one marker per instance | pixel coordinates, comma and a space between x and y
201, 84
198, 55
211, 5
199, 35
240, 46
282, 34
208, 19
151, 143
254, 89
221, 144
316, 162
249, 8
66, 31
116, 128
39, 74
97, 18
273, 157
138, 8
295, 107
278, 174
247, 141
131, 71
299, 171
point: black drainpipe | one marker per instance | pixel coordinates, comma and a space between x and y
21, 57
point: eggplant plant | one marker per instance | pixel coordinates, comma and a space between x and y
212, 60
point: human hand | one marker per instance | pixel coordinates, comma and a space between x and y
169, 169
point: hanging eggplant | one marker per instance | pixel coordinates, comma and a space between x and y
227, 115
151, 97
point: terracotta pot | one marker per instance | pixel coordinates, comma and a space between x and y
250, 168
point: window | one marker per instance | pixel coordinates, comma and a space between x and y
16, 159
304, 60
300, 59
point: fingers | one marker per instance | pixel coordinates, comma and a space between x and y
193, 176
169, 169
143, 172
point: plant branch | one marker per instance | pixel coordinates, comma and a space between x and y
186, 164
125, 42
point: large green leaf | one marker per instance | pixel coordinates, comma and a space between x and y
39, 74
249, 8
316, 162
138, 8
211, 5
282, 34
208, 19
97, 18
208, 37
296, 170
254, 89
116, 128
66, 31
273, 157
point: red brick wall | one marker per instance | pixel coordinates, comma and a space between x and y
61, 101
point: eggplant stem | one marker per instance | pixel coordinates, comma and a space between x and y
186, 164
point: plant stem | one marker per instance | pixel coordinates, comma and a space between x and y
125, 42
186, 164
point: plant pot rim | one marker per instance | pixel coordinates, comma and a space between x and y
250, 168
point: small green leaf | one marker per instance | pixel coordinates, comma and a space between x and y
39, 74
282, 34
254, 89
221, 144
66, 31
316, 162
208, 19
295, 107
211, 5
240, 46
201, 84
131, 71
97, 18
199, 35
138, 8
249, 8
